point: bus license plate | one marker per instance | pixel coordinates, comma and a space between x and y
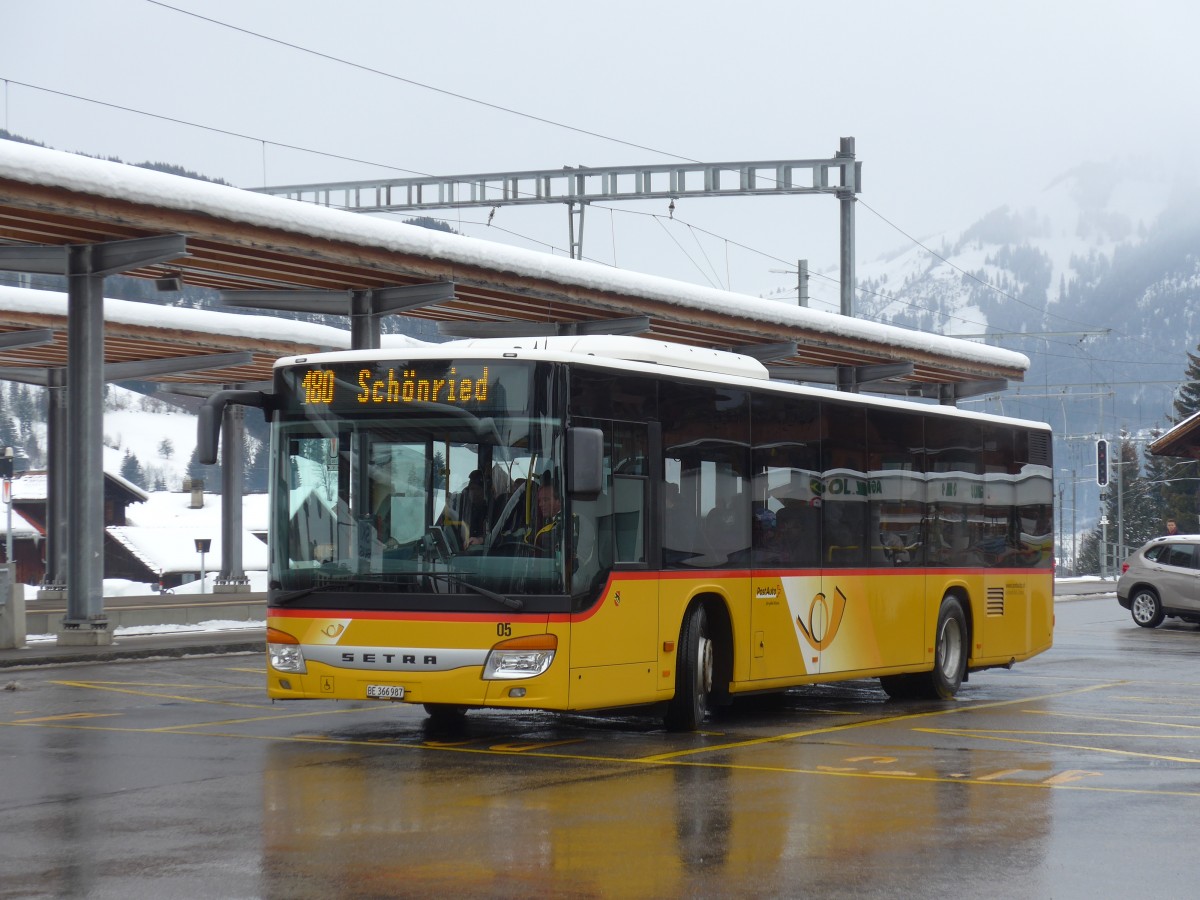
385, 692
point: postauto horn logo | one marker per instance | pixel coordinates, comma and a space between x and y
824, 619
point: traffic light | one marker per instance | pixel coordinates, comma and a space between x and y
1102, 462
6, 462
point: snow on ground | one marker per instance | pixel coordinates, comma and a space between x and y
213, 625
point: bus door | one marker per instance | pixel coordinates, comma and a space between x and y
614, 633
786, 521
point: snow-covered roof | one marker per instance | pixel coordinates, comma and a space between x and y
203, 321
1181, 440
162, 530
690, 303
162, 533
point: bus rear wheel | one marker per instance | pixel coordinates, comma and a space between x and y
693, 673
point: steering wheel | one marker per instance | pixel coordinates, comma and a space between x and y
515, 546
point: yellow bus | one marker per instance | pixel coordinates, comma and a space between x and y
580, 523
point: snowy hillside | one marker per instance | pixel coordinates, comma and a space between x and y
160, 436
1096, 278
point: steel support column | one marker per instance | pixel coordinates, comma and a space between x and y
85, 436
365, 325
85, 266
55, 581
850, 186
232, 577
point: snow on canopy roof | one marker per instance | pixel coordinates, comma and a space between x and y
174, 318
53, 168
1181, 440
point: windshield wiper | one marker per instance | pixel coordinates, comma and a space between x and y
339, 584
510, 602
333, 584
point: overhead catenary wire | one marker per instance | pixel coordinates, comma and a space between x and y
543, 120
658, 217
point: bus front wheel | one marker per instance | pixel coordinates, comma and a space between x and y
445, 714
693, 673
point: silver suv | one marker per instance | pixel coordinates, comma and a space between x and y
1162, 579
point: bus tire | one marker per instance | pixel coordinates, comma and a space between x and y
445, 713
899, 687
950, 646
693, 673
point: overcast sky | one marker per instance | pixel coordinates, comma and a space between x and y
956, 107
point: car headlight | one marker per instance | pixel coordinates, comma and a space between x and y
284, 652
522, 657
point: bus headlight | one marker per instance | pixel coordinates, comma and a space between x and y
522, 657
284, 653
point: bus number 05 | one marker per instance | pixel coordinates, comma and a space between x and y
503, 629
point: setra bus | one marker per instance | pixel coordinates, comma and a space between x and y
582, 523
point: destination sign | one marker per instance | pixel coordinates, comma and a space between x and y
348, 387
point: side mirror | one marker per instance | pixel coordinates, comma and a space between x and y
585, 463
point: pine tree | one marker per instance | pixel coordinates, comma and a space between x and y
210, 474
1172, 492
8, 434
1180, 488
1187, 399
131, 470
254, 480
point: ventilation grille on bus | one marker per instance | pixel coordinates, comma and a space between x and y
1039, 448
995, 601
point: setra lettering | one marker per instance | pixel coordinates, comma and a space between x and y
370, 658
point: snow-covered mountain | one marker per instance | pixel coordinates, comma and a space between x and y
1096, 278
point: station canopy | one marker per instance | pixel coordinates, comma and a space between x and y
239, 240
1181, 440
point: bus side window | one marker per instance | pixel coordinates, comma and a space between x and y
629, 518
845, 503
706, 446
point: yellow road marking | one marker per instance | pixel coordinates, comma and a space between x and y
984, 735
644, 761
204, 686
791, 736
1127, 719
98, 686
1003, 773
984, 781
79, 715
1063, 781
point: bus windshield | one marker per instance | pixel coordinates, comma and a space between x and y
388, 484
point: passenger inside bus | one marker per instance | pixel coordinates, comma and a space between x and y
476, 507
549, 508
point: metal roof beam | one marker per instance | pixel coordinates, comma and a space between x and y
766, 352
93, 259
946, 393
30, 337
847, 378
364, 307
630, 325
146, 369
